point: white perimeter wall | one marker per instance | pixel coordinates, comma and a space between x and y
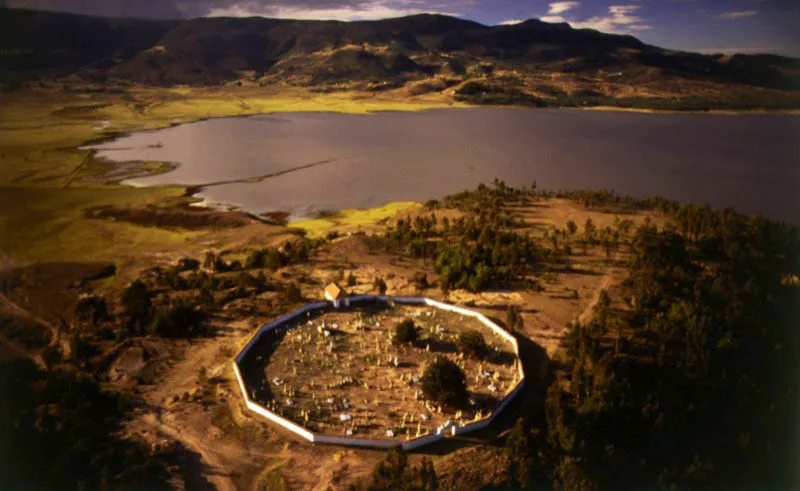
362, 442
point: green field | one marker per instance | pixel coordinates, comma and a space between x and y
352, 220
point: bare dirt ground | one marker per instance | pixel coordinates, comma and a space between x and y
570, 294
194, 401
340, 373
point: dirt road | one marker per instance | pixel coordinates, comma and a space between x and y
216, 468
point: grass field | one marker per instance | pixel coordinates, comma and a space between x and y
352, 220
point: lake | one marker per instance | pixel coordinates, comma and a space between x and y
750, 162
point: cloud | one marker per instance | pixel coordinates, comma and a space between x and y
621, 19
736, 14
347, 10
368, 11
556, 8
511, 22
621, 14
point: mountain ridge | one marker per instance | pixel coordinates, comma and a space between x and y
418, 53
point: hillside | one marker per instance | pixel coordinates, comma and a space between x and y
533, 62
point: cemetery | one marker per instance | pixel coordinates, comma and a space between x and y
361, 373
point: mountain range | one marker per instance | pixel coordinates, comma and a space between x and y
532, 62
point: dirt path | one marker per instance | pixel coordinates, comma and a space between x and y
182, 423
588, 312
217, 468
605, 283
220, 458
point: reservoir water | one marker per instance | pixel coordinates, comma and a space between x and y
336, 161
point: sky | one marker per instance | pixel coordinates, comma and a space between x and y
709, 26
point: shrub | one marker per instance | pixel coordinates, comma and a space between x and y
92, 309
351, 279
380, 285
471, 343
520, 450
390, 473
513, 318
255, 259
572, 227
245, 280
405, 332
269, 258
293, 293
219, 265
172, 279
178, 321
444, 382
187, 264
589, 230
481, 93
136, 302
394, 473
420, 281
205, 297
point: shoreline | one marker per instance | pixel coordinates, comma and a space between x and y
727, 112
195, 191
352, 103
113, 135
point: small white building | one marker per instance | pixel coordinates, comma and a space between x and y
336, 294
